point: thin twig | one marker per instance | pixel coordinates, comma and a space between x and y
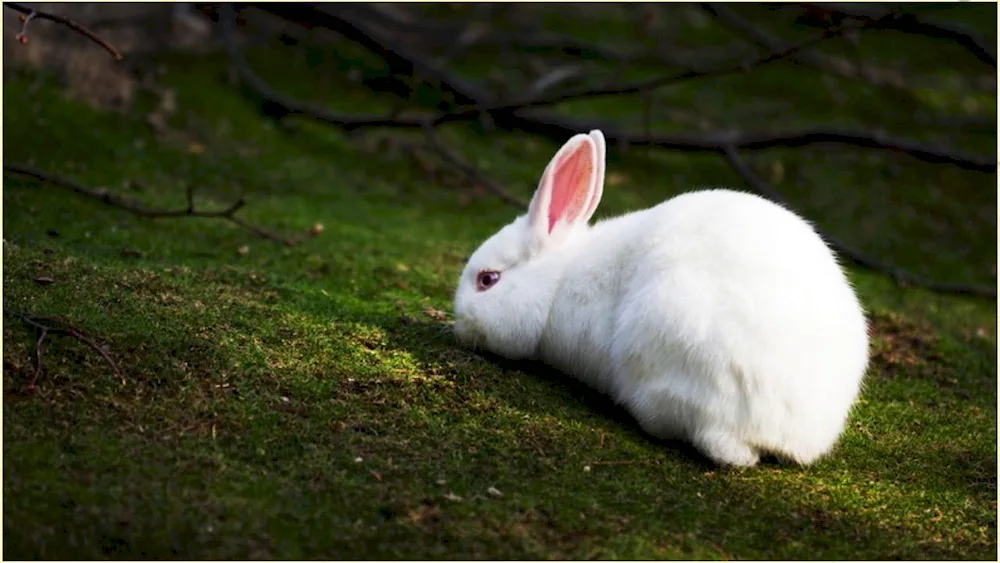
469, 170
190, 197
901, 277
38, 357
136, 208
30, 13
615, 462
58, 326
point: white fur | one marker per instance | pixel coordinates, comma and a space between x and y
717, 317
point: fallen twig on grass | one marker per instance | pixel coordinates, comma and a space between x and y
54, 325
136, 208
28, 14
615, 462
901, 277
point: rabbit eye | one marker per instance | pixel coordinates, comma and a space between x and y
487, 279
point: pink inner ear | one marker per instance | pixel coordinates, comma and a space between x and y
570, 185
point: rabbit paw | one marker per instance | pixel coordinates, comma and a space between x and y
725, 449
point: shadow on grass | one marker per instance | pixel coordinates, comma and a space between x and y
759, 514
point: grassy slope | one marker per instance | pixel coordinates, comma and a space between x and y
299, 402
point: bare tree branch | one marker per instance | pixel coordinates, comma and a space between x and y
557, 126
483, 33
520, 116
469, 94
136, 208
464, 92
29, 14
911, 23
901, 277
280, 105
347, 122
833, 65
645, 85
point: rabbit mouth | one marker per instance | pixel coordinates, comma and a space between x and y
467, 333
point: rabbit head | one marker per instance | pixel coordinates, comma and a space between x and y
506, 289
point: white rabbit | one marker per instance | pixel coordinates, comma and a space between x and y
717, 317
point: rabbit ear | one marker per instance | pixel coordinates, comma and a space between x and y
595, 196
571, 185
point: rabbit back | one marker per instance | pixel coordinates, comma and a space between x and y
731, 323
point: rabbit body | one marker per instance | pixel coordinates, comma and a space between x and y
717, 317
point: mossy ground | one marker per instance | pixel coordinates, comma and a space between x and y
303, 402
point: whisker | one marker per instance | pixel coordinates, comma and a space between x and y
439, 335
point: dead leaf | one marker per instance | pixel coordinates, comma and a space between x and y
44, 281
435, 314
157, 121
937, 515
898, 342
196, 148
426, 513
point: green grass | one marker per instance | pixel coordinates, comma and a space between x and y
302, 403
